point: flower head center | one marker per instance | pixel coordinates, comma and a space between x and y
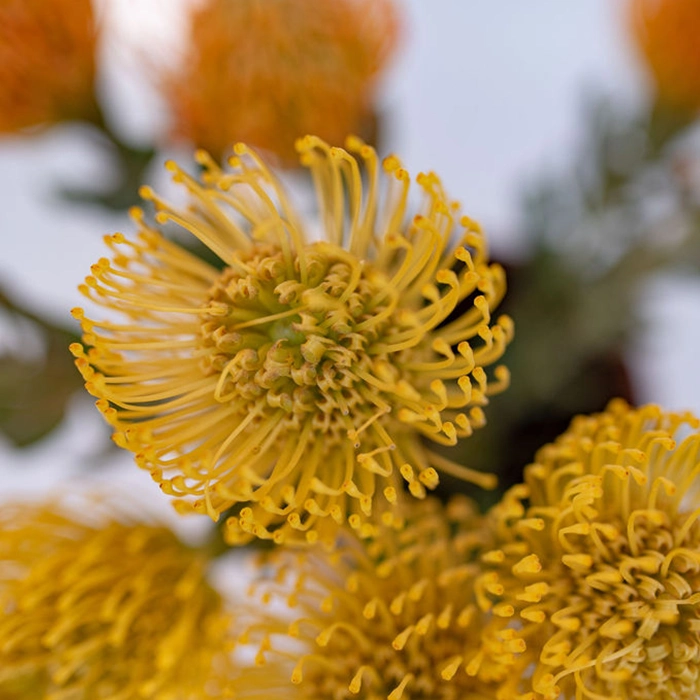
294, 333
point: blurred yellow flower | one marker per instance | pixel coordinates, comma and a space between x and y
301, 379
597, 563
267, 72
667, 33
47, 62
387, 617
105, 608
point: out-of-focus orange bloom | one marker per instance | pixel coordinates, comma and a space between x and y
668, 35
47, 62
269, 71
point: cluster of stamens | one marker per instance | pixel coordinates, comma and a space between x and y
105, 609
389, 617
600, 575
302, 381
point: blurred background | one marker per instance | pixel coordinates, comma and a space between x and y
548, 121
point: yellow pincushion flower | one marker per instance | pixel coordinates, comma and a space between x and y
47, 62
267, 72
306, 378
386, 617
667, 33
597, 563
105, 609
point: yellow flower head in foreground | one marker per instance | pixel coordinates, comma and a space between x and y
267, 72
47, 62
389, 617
301, 379
599, 569
104, 610
667, 33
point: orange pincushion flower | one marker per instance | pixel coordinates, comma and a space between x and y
313, 374
47, 62
667, 33
267, 72
104, 607
597, 564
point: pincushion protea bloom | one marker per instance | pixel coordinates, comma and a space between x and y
667, 33
105, 609
267, 72
306, 378
47, 62
385, 617
599, 569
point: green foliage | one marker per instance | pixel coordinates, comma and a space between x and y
35, 388
622, 212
